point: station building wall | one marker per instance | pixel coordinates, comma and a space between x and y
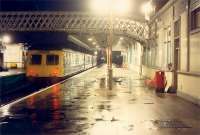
13, 56
175, 45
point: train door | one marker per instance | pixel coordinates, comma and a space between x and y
92, 60
84, 60
68, 66
65, 62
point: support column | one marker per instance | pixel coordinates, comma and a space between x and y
109, 50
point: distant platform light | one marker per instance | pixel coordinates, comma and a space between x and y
95, 53
89, 39
121, 38
94, 43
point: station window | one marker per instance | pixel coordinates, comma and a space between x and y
36, 59
195, 19
177, 27
52, 60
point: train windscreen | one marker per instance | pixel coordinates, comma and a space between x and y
36, 59
52, 59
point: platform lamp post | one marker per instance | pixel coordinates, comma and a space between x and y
110, 8
147, 9
4, 40
109, 47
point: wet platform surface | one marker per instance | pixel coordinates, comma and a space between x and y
83, 106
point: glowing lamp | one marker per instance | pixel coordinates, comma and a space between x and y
6, 39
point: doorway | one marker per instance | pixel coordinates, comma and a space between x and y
176, 62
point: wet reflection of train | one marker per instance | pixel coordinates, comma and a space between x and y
57, 63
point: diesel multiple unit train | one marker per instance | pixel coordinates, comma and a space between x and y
57, 64
48, 64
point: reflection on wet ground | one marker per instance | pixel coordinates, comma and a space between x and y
83, 106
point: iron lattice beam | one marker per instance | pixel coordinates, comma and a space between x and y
71, 22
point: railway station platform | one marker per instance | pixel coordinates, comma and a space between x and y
82, 105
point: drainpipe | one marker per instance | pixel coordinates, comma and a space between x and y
188, 35
141, 58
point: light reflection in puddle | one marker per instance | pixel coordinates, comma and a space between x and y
111, 128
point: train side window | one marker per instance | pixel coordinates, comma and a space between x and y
52, 59
36, 59
77, 59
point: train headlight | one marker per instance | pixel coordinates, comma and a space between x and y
31, 72
55, 72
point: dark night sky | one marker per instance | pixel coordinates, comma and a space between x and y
59, 5
40, 39
44, 40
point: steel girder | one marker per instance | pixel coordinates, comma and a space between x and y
71, 22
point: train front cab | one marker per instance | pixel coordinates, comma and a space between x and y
44, 64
